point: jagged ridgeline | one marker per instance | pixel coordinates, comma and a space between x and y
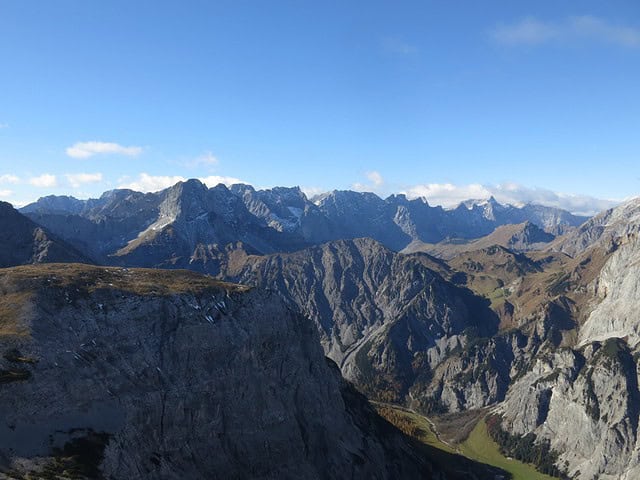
522, 319
191, 226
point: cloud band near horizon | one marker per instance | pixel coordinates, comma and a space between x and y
449, 195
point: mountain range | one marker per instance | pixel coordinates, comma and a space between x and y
189, 225
524, 317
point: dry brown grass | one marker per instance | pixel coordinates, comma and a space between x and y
530, 281
456, 427
140, 281
12, 313
20, 285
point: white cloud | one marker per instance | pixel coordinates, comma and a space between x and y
78, 179
89, 149
527, 31
588, 25
154, 183
44, 180
375, 178
531, 31
312, 191
449, 195
9, 178
5, 193
213, 180
375, 182
4, 125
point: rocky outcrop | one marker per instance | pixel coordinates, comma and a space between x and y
117, 373
550, 339
585, 404
287, 210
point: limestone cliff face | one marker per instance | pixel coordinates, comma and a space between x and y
550, 340
389, 320
155, 374
586, 404
617, 296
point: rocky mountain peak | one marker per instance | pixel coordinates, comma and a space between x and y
184, 200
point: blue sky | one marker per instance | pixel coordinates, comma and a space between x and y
530, 101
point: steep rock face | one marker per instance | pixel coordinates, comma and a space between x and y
417, 219
585, 404
100, 226
397, 221
486, 215
386, 319
552, 220
287, 210
472, 376
184, 226
617, 296
402, 328
24, 242
56, 204
363, 215
172, 375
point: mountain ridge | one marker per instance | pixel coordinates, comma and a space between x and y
189, 221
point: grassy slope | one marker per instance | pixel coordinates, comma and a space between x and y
478, 446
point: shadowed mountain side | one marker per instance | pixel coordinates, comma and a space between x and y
24, 242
